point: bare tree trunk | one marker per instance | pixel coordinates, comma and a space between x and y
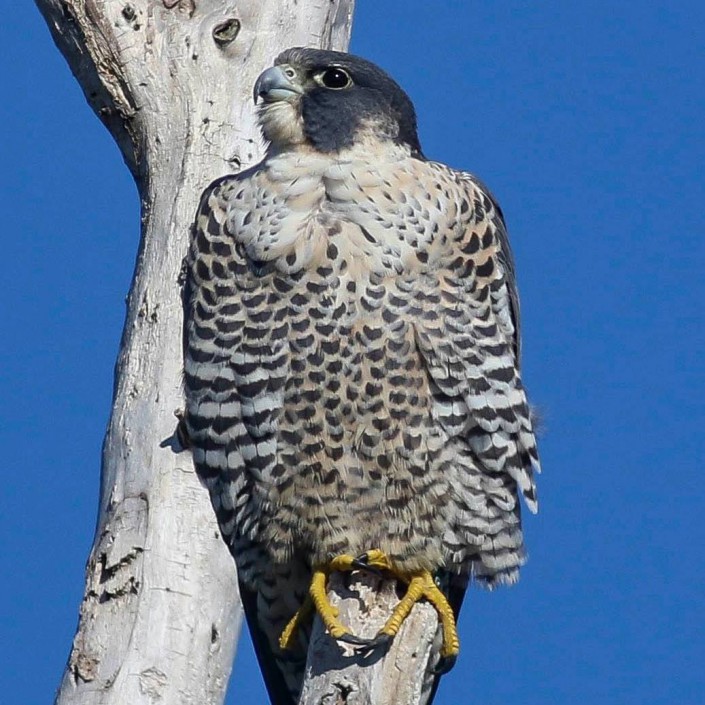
172, 81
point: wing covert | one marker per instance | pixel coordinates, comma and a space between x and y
472, 350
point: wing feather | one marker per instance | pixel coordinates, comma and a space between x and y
235, 364
471, 350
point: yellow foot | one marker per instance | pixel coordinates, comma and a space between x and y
317, 600
374, 560
328, 613
422, 585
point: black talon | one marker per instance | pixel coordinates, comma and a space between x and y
381, 640
376, 642
354, 640
363, 563
181, 432
445, 664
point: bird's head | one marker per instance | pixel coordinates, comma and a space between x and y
330, 101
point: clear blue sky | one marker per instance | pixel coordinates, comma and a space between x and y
587, 121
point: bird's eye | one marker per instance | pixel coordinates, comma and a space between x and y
335, 78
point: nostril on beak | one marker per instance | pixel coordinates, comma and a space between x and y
273, 85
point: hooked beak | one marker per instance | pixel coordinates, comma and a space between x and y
274, 85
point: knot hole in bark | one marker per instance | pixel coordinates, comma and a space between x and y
226, 32
129, 14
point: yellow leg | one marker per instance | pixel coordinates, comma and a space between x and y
422, 585
286, 640
414, 593
318, 598
329, 614
451, 641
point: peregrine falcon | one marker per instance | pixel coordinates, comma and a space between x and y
351, 363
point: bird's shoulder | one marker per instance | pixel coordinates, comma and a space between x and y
218, 195
478, 253
211, 230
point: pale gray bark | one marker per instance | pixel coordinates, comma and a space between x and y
172, 81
